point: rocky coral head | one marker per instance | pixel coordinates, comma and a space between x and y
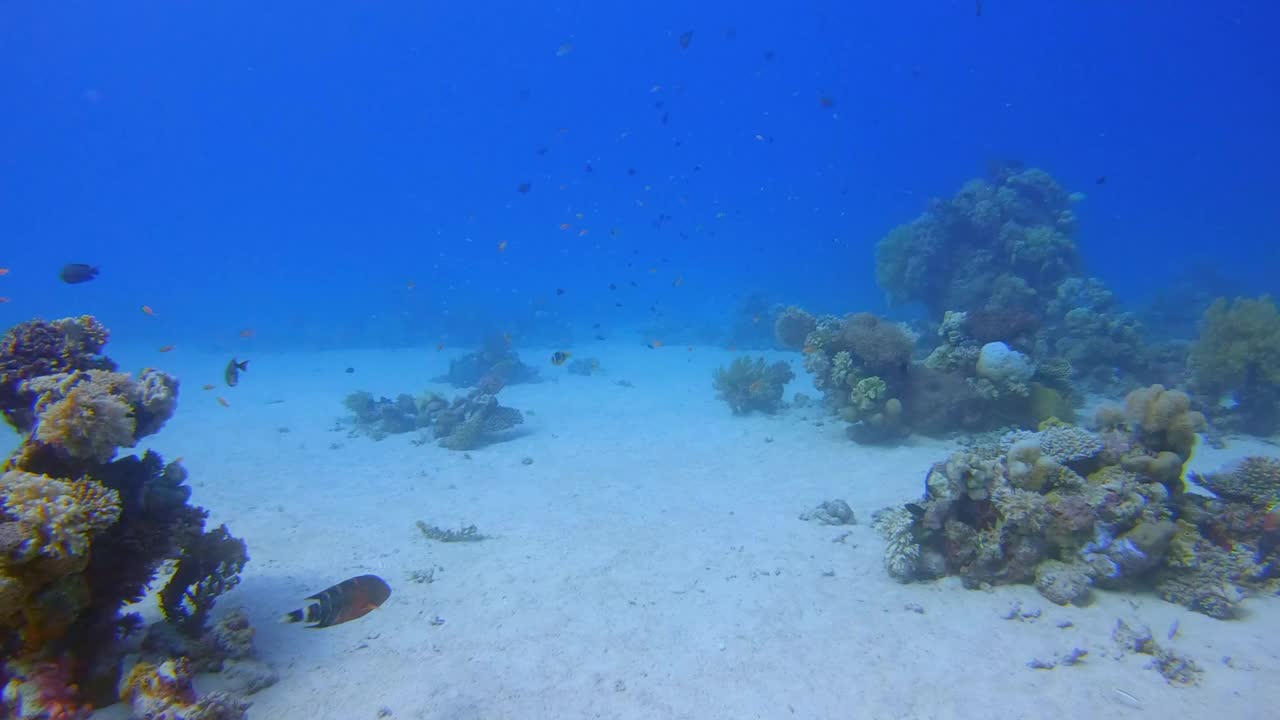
792, 327
1008, 324
881, 345
37, 348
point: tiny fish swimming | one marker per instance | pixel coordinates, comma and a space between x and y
350, 599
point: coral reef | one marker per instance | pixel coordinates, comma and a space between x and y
495, 358
749, 384
82, 532
1003, 242
1069, 510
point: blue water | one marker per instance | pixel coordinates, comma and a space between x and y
291, 168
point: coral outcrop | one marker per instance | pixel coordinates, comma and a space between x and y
82, 531
465, 423
493, 359
752, 384
1069, 510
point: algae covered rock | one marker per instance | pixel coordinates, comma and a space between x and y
1064, 583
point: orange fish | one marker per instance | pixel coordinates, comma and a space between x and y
439, 347
756, 386
167, 348
3, 300
411, 285
583, 232
809, 349
246, 333
176, 461
565, 226
657, 343
346, 601
653, 270
502, 246
147, 309
755, 319
4, 271
223, 401
207, 386
678, 281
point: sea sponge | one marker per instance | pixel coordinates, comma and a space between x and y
1164, 419
155, 402
793, 326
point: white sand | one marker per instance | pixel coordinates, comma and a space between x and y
649, 563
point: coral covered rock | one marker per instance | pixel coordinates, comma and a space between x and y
793, 326
38, 348
165, 690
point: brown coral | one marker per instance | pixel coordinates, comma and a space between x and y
881, 345
1164, 419
792, 327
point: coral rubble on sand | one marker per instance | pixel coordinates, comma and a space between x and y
83, 532
465, 423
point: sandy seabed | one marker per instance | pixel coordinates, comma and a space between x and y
646, 561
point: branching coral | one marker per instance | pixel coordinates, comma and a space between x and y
209, 566
1253, 480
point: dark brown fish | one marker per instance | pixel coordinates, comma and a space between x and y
686, 38
76, 273
523, 188
232, 373
348, 600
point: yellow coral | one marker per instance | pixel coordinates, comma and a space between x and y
58, 517
100, 503
89, 423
